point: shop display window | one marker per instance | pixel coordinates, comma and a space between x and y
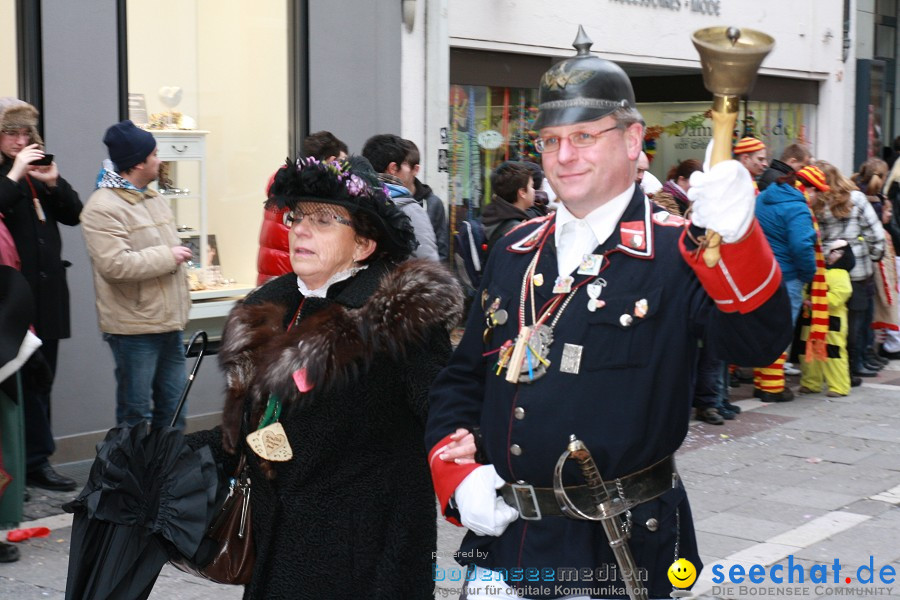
209, 78
489, 125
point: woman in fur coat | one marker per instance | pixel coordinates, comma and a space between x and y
346, 348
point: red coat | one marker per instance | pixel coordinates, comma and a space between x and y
273, 259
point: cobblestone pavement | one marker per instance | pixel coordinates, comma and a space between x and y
799, 483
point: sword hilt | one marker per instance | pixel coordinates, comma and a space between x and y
589, 470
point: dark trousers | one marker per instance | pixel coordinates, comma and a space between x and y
710, 384
39, 444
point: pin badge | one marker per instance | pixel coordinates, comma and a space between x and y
484, 299
499, 317
637, 240
595, 304
563, 284
494, 305
590, 264
641, 308
538, 279
594, 288
626, 320
571, 359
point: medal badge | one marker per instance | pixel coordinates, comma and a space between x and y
594, 290
529, 355
563, 284
590, 264
641, 308
271, 443
538, 280
571, 359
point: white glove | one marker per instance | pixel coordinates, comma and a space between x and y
723, 198
480, 509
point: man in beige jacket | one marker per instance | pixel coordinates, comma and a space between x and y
139, 277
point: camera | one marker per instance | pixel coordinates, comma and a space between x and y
43, 162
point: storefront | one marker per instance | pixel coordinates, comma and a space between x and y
496, 63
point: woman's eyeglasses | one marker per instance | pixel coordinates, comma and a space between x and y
579, 139
319, 220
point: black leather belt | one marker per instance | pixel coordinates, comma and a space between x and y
622, 493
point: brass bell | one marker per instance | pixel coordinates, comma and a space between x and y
730, 58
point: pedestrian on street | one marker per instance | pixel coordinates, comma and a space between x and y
588, 325
34, 200
345, 349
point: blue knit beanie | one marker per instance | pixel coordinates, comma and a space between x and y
128, 145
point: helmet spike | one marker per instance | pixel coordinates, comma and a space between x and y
582, 42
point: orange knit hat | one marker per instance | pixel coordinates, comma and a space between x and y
815, 177
748, 144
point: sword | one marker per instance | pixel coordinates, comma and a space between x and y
607, 511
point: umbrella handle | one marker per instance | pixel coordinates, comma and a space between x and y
190, 380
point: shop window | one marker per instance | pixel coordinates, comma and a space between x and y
677, 131
9, 65
488, 125
491, 124
217, 68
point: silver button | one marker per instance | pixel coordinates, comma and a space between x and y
519, 413
515, 450
626, 320
652, 524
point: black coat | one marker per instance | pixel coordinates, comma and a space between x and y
630, 401
352, 515
40, 246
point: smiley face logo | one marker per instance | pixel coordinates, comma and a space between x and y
682, 573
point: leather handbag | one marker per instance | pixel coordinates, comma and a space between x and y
226, 554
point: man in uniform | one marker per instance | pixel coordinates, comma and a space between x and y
587, 323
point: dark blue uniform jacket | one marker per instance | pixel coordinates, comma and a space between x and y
630, 402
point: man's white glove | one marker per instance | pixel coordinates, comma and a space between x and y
480, 509
723, 198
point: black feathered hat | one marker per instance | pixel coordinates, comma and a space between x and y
353, 184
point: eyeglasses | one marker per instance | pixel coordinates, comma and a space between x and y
17, 133
579, 139
319, 220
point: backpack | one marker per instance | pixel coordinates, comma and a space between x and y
470, 253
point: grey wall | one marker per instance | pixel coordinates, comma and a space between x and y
354, 68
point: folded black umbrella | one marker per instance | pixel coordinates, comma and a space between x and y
148, 493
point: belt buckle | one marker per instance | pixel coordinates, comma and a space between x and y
524, 492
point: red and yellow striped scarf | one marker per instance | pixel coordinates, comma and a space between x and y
818, 297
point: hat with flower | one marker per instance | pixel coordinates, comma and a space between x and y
352, 184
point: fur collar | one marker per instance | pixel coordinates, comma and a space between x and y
335, 343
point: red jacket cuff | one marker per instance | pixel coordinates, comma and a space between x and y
746, 276
447, 475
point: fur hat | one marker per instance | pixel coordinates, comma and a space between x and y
352, 184
748, 145
17, 114
128, 145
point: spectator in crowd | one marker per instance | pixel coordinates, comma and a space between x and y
389, 155
678, 182
424, 195
541, 200
845, 213
273, 258
34, 200
787, 222
793, 158
513, 195
647, 180
140, 278
834, 371
751, 153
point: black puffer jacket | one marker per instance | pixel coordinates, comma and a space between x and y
352, 515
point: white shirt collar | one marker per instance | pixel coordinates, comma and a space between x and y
323, 290
602, 220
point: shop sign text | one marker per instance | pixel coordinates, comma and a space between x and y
705, 7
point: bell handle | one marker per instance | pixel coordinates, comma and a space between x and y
724, 118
